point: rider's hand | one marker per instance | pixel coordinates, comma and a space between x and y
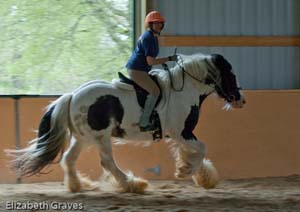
173, 57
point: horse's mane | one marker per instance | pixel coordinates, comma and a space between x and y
193, 64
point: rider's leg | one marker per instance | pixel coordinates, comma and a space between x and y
145, 117
143, 79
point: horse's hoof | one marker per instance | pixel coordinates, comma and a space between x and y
207, 176
89, 185
137, 185
74, 186
183, 172
140, 185
180, 175
204, 182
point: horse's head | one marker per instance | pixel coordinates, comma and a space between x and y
213, 70
227, 87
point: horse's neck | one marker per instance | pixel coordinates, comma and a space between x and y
194, 79
195, 70
193, 67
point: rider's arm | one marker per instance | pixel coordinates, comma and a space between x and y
155, 61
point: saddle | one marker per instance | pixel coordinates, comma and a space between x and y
141, 97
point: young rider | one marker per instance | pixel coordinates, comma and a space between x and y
141, 61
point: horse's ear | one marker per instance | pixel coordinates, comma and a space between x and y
221, 63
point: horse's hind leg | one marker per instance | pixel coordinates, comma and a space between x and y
73, 180
128, 183
68, 164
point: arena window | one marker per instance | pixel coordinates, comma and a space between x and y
50, 49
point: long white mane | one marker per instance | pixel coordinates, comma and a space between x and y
194, 65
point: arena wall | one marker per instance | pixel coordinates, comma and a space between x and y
262, 139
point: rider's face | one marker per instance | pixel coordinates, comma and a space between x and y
157, 26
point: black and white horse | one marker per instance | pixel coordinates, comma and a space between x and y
99, 112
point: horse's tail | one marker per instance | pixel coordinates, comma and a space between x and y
207, 176
52, 134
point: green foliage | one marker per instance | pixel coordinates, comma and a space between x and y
53, 46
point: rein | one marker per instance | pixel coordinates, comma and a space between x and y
213, 78
166, 68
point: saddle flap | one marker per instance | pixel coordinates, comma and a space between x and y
124, 79
140, 92
123, 82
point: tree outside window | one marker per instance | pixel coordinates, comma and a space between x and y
53, 46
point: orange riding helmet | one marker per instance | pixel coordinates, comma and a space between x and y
153, 16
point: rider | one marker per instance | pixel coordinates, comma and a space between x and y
141, 61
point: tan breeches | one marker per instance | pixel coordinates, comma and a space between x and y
143, 79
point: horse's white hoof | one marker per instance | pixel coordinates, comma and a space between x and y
204, 182
88, 185
183, 171
207, 177
136, 185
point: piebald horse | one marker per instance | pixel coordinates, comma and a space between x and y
100, 112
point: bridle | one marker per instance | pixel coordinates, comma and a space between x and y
213, 77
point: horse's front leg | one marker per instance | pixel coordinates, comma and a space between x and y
190, 160
127, 183
189, 156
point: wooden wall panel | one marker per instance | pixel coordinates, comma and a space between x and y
229, 41
262, 139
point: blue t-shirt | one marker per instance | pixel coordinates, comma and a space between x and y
147, 45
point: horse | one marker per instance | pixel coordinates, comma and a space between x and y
101, 112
